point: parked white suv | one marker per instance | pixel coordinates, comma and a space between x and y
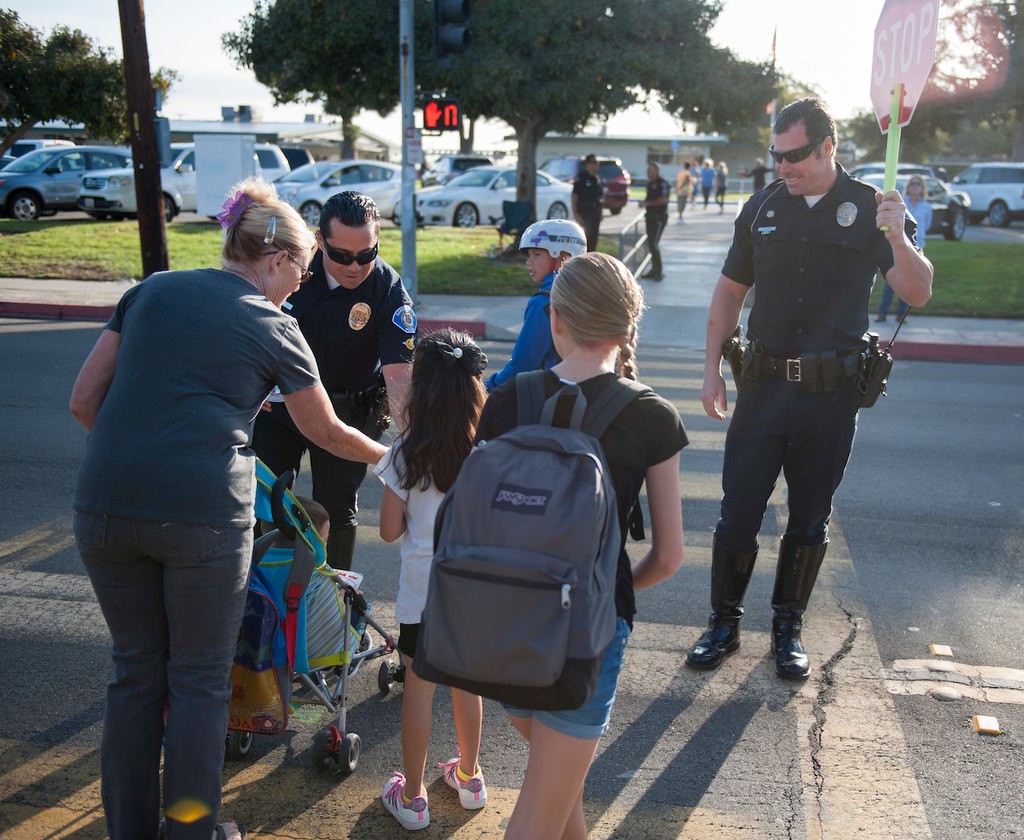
111, 194
23, 147
996, 190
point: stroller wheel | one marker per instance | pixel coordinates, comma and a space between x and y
386, 676
325, 749
239, 744
348, 753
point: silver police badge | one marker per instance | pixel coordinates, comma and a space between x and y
846, 215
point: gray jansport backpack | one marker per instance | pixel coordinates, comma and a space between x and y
521, 601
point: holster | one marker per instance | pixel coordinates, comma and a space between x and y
875, 376
732, 352
365, 410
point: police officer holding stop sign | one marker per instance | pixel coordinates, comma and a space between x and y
811, 243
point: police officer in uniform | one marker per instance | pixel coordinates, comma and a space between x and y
358, 319
811, 243
655, 205
587, 198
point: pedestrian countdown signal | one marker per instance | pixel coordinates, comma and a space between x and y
441, 115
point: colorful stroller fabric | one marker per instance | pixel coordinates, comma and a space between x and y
272, 638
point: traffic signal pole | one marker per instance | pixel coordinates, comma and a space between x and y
407, 88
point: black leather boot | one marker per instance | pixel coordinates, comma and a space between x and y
794, 579
730, 574
341, 546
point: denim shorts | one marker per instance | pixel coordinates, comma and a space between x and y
591, 720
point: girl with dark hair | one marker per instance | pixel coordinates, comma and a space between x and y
445, 400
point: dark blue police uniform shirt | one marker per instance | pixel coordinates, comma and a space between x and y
813, 267
589, 191
352, 332
658, 188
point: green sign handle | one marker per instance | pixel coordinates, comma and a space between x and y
892, 147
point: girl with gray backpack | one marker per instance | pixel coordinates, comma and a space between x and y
595, 307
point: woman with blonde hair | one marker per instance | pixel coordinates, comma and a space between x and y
164, 501
595, 311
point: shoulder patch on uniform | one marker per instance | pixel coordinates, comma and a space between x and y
405, 319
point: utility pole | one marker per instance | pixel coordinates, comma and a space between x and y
409, 141
142, 133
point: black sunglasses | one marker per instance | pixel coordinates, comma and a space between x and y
798, 154
347, 258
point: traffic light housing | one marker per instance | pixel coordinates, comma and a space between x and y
451, 32
441, 115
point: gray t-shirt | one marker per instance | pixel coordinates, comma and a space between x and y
199, 352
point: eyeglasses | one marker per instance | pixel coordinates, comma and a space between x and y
305, 272
796, 155
346, 257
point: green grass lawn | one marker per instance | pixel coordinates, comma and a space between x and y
971, 278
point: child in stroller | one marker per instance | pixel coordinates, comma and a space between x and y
318, 636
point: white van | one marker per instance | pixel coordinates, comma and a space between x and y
23, 147
111, 193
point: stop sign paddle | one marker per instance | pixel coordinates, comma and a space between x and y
904, 51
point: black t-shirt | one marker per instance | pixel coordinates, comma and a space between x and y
646, 432
352, 332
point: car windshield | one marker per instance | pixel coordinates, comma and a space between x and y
34, 160
307, 172
476, 177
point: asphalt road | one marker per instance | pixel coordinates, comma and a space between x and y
926, 548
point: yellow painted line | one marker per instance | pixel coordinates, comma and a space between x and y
40, 542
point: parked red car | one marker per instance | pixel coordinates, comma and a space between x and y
614, 178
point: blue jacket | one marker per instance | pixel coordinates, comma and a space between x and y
534, 348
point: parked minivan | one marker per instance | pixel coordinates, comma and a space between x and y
996, 190
47, 180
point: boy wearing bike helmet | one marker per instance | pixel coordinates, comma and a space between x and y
548, 245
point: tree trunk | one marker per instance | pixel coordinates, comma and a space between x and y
15, 135
467, 140
528, 136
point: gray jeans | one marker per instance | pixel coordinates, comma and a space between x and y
172, 595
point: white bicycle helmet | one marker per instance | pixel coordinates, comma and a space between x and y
555, 236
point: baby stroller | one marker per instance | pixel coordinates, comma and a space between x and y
304, 623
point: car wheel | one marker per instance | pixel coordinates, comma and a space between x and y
957, 225
615, 210
466, 216
24, 207
998, 214
170, 210
558, 211
310, 212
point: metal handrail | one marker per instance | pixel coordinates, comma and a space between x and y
630, 236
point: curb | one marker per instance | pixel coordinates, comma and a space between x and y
84, 312
907, 351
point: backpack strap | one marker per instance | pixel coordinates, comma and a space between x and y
534, 406
530, 397
609, 403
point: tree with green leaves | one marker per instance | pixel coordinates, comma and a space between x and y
553, 67
62, 77
972, 106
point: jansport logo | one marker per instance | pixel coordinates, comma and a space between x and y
521, 499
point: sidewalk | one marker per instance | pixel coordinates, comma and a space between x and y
692, 255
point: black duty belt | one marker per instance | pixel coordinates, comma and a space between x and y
814, 372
